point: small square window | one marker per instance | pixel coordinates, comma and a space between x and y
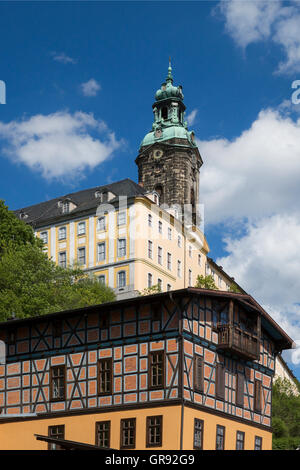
56, 432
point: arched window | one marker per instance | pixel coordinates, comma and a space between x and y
164, 112
159, 190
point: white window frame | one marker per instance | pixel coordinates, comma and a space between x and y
81, 250
81, 228
64, 231
44, 237
160, 255
121, 247
104, 251
101, 224
102, 279
149, 280
121, 218
169, 233
123, 283
150, 249
62, 263
150, 220
169, 261
179, 268
160, 229
179, 241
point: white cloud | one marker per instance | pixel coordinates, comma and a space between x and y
252, 21
250, 186
63, 58
59, 145
266, 263
257, 174
191, 117
90, 88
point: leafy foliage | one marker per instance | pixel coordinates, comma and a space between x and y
151, 290
31, 284
206, 282
285, 416
234, 288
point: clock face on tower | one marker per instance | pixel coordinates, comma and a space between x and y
157, 154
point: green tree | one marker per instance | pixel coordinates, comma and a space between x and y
151, 290
285, 416
206, 282
31, 284
234, 288
14, 232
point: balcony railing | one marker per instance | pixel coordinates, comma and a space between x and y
240, 342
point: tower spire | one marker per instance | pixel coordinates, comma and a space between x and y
169, 77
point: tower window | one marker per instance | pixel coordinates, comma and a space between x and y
164, 113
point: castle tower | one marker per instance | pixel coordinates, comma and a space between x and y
169, 160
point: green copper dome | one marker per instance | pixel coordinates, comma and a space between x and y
167, 89
169, 113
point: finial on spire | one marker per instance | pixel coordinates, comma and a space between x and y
169, 77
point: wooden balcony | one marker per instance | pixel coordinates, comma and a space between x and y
239, 342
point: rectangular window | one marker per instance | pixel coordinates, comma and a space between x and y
258, 443
121, 247
81, 256
122, 218
156, 369
240, 384
169, 233
190, 277
44, 237
62, 233
105, 376
207, 270
159, 255
149, 280
121, 279
101, 251
220, 439
169, 261
190, 251
65, 207
198, 433
57, 432
169, 287
101, 279
154, 431
159, 284
57, 383
128, 428
179, 241
257, 395
149, 220
81, 228
179, 268
219, 281
101, 224
159, 226
150, 250
240, 439
220, 381
103, 434
62, 259
198, 374
199, 260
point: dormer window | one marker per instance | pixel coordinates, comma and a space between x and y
23, 215
65, 207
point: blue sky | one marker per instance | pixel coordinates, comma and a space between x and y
81, 79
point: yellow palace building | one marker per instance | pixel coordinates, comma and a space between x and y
185, 368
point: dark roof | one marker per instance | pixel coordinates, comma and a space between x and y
85, 200
248, 302
66, 444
